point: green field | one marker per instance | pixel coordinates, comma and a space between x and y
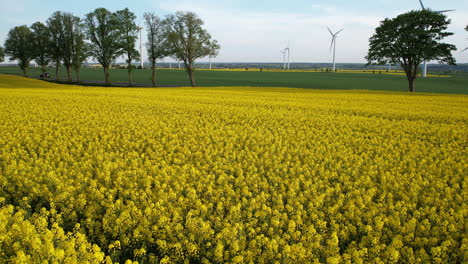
314, 80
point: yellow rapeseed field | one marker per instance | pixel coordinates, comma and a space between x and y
230, 175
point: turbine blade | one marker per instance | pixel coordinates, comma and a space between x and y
330, 31
445, 11
331, 44
422, 5
339, 31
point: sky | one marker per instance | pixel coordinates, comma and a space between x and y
257, 30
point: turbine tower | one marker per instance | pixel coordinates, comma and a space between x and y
141, 49
284, 58
333, 45
424, 71
289, 54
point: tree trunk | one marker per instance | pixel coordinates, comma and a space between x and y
25, 74
411, 85
153, 74
106, 76
410, 72
191, 75
129, 74
43, 69
57, 65
77, 72
69, 73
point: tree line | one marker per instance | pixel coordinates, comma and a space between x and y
68, 40
407, 40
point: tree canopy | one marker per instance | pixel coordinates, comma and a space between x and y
188, 40
19, 46
409, 39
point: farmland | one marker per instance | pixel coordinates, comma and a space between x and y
231, 174
314, 80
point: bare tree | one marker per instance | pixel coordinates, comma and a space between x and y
189, 41
102, 30
157, 45
19, 46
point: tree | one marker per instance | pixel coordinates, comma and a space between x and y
129, 34
2, 55
41, 45
19, 46
157, 45
410, 39
80, 49
189, 41
55, 25
71, 27
102, 29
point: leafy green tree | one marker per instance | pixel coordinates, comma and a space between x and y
2, 55
129, 33
410, 39
157, 45
19, 46
80, 49
102, 29
56, 29
188, 40
41, 44
71, 26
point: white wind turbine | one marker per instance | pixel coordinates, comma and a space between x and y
333, 45
424, 71
141, 46
286, 64
284, 58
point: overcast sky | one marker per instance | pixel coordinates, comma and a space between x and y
256, 30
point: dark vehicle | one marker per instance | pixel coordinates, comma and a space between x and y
44, 75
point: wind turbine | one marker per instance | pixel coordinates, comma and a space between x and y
141, 49
284, 58
333, 45
287, 50
424, 72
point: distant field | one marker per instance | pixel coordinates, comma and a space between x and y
314, 80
